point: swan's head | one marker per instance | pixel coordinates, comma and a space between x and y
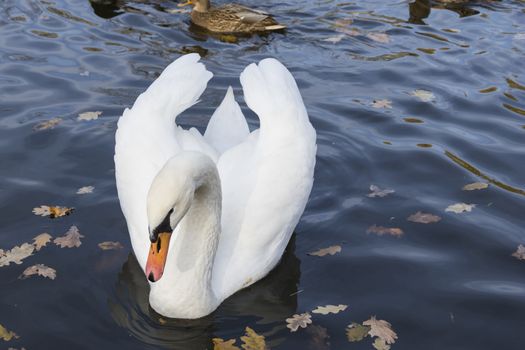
169, 199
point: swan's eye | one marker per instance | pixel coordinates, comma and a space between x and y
164, 226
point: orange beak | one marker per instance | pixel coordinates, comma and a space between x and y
158, 253
189, 2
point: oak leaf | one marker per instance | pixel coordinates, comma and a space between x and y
356, 332
70, 239
381, 329
381, 230
475, 186
110, 245
16, 255
48, 124
459, 208
332, 250
253, 341
220, 344
40, 270
382, 103
423, 95
85, 190
377, 192
7, 335
296, 321
423, 218
519, 253
89, 115
41, 240
51, 211
380, 344
330, 309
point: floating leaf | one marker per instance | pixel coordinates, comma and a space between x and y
7, 335
220, 344
520, 252
330, 309
52, 212
459, 208
382, 104
89, 115
381, 230
48, 124
253, 341
335, 39
110, 245
16, 255
380, 344
40, 270
423, 218
381, 329
296, 321
85, 190
41, 240
379, 37
70, 239
332, 250
356, 332
377, 192
423, 95
475, 186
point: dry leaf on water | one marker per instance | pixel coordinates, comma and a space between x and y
459, 208
40, 270
7, 335
296, 321
475, 186
377, 192
423, 218
381, 329
89, 115
253, 341
52, 212
85, 190
330, 309
41, 240
519, 253
70, 239
220, 344
381, 230
48, 124
380, 344
379, 37
16, 255
382, 104
356, 332
110, 245
332, 250
423, 95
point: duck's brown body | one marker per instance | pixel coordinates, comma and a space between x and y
233, 18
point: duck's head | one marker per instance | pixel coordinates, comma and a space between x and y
169, 198
198, 5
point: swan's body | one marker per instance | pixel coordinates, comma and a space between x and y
236, 196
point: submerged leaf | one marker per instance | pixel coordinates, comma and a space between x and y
377, 192
296, 321
519, 253
52, 212
459, 208
356, 332
423, 95
332, 250
380, 344
253, 341
16, 255
381, 329
89, 115
381, 230
48, 124
423, 218
220, 344
335, 39
379, 37
330, 309
7, 335
40, 270
41, 240
475, 186
319, 337
85, 190
70, 239
110, 245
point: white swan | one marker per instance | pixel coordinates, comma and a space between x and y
226, 203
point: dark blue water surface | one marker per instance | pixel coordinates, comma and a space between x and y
447, 285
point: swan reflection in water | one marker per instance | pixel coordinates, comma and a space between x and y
263, 306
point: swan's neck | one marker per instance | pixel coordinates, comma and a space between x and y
185, 290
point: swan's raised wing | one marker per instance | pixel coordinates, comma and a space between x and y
147, 137
266, 180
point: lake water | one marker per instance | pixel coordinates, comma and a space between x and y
448, 81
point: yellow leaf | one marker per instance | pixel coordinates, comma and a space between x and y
220, 344
253, 341
356, 332
52, 212
7, 335
41, 240
380, 344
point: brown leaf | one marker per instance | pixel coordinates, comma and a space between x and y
330, 309
220, 344
70, 239
296, 321
381, 230
381, 329
459, 208
7, 335
356, 332
110, 245
377, 192
423, 218
253, 341
40, 270
380, 344
48, 124
41, 240
519, 253
52, 212
332, 250
475, 186
16, 255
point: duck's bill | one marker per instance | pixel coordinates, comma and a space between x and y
187, 3
158, 253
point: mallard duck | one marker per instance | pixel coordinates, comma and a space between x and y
231, 18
